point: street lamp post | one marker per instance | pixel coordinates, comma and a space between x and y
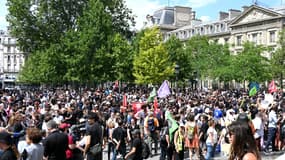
176, 78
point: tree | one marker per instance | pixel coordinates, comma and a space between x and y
221, 62
38, 24
152, 63
80, 41
122, 58
198, 49
278, 58
250, 65
178, 56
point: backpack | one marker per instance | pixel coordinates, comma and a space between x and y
150, 124
145, 150
190, 132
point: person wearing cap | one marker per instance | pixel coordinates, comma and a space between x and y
94, 135
56, 143
71, 146
6, 143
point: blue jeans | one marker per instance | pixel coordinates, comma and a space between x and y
121, 151
210, 152
271, 138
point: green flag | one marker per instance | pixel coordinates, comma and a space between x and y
252, 91
151, 95
172, 123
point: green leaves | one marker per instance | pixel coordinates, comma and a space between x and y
152, 63
81, 41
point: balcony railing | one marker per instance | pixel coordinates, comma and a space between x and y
10, 42
13, 70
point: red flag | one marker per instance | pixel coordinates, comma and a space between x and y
155, 104
125, 103
272, 87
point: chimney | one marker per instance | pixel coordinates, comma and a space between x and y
234, 13
244, 8
223, 15
193, 14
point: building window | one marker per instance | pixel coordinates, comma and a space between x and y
254, 38
238, 40
8, 60
272, 37
226, 40
9, 49
15, 60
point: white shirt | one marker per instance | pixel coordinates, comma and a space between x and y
215, 135
35, 151
258, 126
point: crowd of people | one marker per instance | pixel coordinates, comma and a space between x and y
71, 125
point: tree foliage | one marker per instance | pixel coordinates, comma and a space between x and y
81, 40
250, 65
152, 64
178, 56
278, 58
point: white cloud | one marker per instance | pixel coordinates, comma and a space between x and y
205, 18
141, 9
200, 3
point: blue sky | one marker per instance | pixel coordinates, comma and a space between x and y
206, 10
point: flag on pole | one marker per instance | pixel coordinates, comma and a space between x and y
172, 123
151, 95
272, 87
253, 91
163, 90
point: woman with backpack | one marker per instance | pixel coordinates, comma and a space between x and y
192, 137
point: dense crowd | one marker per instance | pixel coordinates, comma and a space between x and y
74, 125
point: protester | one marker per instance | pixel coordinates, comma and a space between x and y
93, 136
151, 125
34, 150
243, 146
192, 138
179, 139
136, 147
56, 143
6, 145
211, 140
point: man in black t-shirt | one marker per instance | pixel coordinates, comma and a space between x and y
93, 136
56, 143
119, 139
136, 148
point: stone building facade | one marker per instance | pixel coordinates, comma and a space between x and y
11, 59
253, 23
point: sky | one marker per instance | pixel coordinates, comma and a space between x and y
207, 10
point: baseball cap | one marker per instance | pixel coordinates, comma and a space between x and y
64, 125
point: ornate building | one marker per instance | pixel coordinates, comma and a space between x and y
253, 23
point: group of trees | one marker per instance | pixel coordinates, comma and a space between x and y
89, 41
